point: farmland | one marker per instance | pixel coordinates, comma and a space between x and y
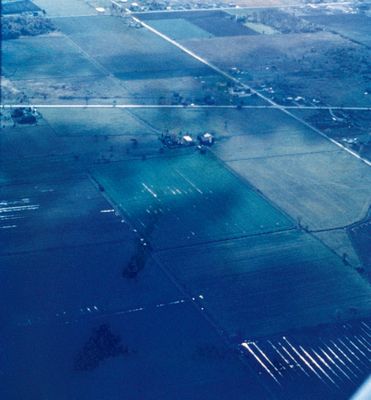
354, 26
276, 283
172, 201
322, 206
235, 268
214, 23
185, 358
280, 62
31, 58
141, 54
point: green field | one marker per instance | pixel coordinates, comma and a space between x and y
66, 7
44, 57
187, 199
179, 29
126, 52
274, 283
94, 122
261, 28
326, 189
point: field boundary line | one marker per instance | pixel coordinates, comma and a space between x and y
306, 153
233, 79
190, 106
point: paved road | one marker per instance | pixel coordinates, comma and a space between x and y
233, 79
191, 106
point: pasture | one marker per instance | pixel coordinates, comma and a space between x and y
179, 201
325, 189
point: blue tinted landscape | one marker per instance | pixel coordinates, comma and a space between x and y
185, 197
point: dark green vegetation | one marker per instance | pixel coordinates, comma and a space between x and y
14, 27
101, 345
277, 19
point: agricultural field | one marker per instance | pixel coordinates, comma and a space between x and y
135, 268
275, 283
353, 26
335, 69
22, 143
241, 134
66, 7
74, 263
138, 55
179, 28
169, 352
70, 149
174, 201
210, 89
324, 190
323, 362
27, 209
223, 122
351, 128
215, 23
44, 57
360, 235
95, 122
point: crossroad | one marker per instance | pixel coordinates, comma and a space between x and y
245, 86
